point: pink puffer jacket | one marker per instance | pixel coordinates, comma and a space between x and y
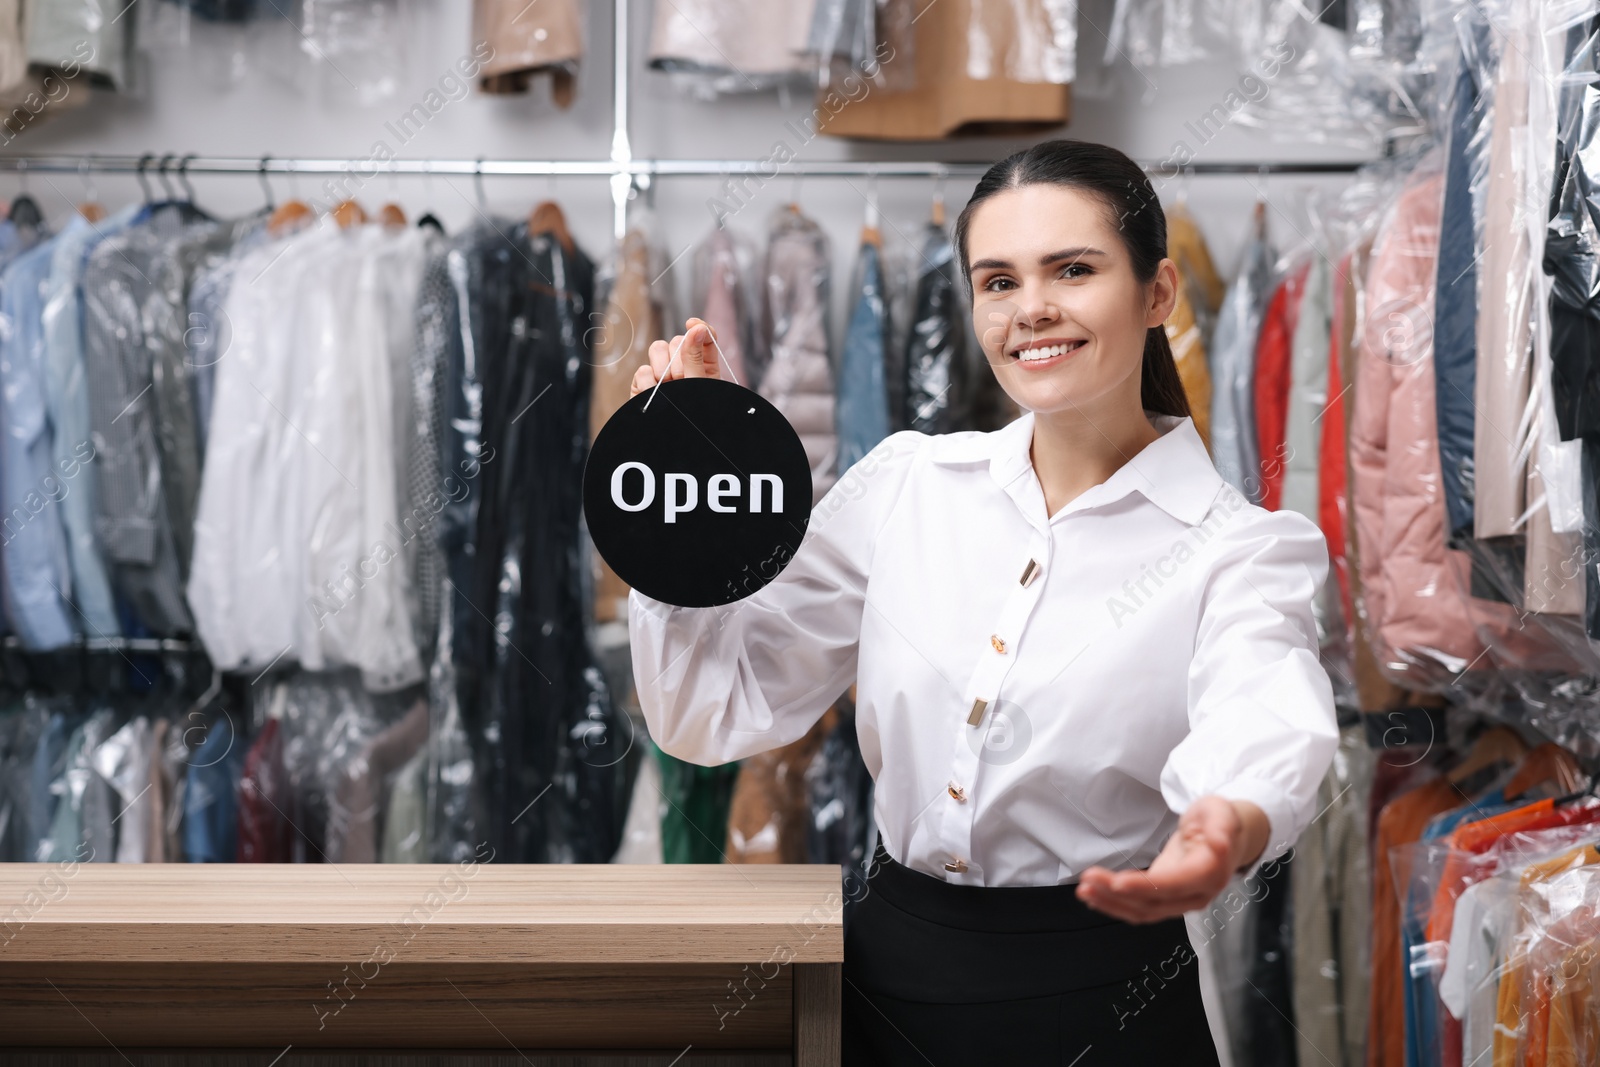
1425, 629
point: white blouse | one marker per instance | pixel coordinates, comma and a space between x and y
1035, 694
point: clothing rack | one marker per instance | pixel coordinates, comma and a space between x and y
626, 174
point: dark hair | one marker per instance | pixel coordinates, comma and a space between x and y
1130, 199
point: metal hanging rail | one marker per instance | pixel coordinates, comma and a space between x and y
173, 164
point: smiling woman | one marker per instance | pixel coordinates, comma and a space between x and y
1053, 789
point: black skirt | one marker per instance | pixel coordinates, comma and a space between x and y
936, 973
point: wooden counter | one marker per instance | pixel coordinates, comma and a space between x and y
726, 964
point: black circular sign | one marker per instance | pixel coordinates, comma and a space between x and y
700, 496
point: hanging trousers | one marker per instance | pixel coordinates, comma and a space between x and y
936, 973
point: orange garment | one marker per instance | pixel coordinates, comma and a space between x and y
1460, 871
1400, 823
1523, 1010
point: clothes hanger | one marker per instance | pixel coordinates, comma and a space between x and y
91, 209
1548, 762
391, 214
192, 202
937, 215
869, 227
24, 209
547, 218
1587, 791
139, 175
348, 213
428, 217
1498, 744
291, 215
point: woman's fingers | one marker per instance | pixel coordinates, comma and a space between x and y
698, 354
643, 378
691, 354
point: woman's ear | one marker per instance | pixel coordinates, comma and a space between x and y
1163, 293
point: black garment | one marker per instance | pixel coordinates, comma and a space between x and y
532, 692
935, 364
839, 789
1269, 1002
951, 974
1455, 349
1572, 245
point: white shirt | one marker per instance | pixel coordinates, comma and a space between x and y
299, 551
1163, 651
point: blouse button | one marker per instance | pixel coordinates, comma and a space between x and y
956, 865
998, 642
956, 791
1030, 572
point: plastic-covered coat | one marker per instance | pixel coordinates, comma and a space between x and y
534, 697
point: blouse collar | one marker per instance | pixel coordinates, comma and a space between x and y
1174, 471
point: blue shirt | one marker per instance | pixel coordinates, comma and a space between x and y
67, 396
37, 574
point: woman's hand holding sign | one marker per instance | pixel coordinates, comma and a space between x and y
691, 354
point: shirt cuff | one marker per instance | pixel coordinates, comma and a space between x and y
1273, 801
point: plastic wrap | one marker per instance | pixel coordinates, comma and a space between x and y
542, 715
713, 48
1022, 40
303, 567
223, 41
939, 364
1523, 481
769, 813
1233, 443
22, 728
797, 375
355, 48
1427, 633
842, 37
722, 267
839, 787
524, 40
863, 397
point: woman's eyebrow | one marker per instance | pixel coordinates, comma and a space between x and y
1069, 253
1044, 260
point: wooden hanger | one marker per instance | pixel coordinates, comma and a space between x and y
391, 214
1548, 762
938, 209
92, 210
289, 215
1498, 744
347, 213
548, 218
870, 235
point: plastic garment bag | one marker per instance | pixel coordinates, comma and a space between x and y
863, 399
842, 828
938, 365
542, 715
797, 376
716, 47
769, 811
1233, 443
722, 266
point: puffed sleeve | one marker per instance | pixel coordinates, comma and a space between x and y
1262, 725
723, 683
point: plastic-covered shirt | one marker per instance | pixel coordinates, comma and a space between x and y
67, 395
863, 406
38, 582
299, 538
1233, 351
